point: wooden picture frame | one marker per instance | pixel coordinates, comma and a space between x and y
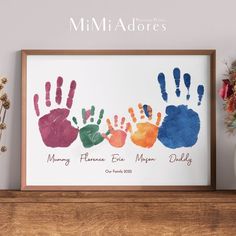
33, 64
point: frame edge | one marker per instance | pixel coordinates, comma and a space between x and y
209, 52
23, 118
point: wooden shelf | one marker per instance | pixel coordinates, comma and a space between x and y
117, 213
119, 197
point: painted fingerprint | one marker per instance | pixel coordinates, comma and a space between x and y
200, 91
90, 134
118, 132
146, 132
176, 74
55, 129
162, 81
181, 125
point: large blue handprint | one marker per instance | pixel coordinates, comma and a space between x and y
181, 125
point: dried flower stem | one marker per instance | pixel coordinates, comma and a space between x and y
1, 112
4, 116
5, 105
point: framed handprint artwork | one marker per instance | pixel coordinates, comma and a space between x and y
135, 120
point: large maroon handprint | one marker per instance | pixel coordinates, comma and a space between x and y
55, 129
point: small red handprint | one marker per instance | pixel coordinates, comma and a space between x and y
55, 129
118, 135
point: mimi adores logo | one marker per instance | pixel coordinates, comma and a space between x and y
117, 25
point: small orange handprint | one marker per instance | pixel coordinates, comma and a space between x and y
118, 136
146, 132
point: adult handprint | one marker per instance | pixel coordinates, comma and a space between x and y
181, 125
146, 133
118, 135
55, 129
89, 134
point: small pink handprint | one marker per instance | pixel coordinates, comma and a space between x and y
55, 129
118, 135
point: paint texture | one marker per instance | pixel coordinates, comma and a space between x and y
47, 91
58, 97
36, 104
90, 134
176, 74
187, 82
162, 81
145, 135
145, 132
180, 127
117, 136
147, 111
55, 129
200, 91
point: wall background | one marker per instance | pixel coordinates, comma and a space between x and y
31, 24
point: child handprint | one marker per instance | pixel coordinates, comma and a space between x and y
146, 132
181, 125
89, 134
118, 135
55, 129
